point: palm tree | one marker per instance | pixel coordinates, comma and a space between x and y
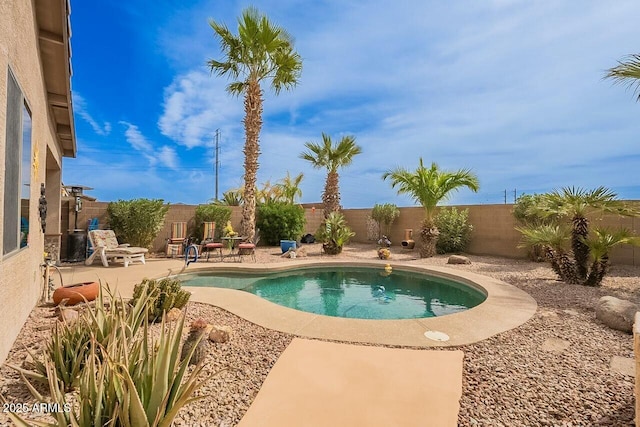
575, 256
332, 157
261, 51
627, 72
428, 187
233, 197
290, 187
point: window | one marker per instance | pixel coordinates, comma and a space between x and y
17, 166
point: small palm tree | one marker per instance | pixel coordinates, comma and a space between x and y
233, 197
428, 187
628, 72
575, 256
261, 51
332, 157
290, 187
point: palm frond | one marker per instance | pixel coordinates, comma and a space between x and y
555, 236
627, 72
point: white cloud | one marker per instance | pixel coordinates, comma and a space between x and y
165, 156
80, 108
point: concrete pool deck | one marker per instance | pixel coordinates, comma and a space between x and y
506, 306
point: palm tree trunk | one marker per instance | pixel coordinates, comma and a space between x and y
580, 249
331, 195
429, 235
252, 126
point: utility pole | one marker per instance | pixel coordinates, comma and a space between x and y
515, 197
217, 161
505, 196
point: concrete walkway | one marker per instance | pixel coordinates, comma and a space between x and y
319, 383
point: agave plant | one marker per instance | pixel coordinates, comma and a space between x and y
576, 256
334, 233
126, 379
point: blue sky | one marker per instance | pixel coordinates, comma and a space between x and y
513, 90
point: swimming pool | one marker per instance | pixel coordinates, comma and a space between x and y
351, 292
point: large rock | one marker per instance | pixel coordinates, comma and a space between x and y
616, 313
458, 259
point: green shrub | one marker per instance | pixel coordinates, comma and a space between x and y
384, 215
211, 213
137, 221
280, 221
455, 230
526, 214
163, 295
334, 233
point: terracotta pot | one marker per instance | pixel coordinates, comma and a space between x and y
75, 293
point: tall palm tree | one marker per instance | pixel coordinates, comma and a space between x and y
428, 187
576, 256
261, 51
627, 71
290, 187
332, 157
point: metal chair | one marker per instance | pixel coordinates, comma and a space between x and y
208, 243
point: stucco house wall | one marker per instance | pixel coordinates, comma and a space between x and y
22, 41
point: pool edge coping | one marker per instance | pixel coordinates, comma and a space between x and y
505, 308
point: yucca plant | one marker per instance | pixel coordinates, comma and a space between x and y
163, 295
334, 233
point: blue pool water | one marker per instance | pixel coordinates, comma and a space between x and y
361, 293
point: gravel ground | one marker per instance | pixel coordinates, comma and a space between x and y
522, 377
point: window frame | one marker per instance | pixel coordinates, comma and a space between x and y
15, 242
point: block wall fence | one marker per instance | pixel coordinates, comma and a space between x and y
493, 227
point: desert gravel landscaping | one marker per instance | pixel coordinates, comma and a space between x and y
555, 370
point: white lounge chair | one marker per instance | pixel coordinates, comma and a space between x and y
107, 248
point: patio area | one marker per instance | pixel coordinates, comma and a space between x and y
560, 367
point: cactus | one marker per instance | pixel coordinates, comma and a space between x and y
196, 338
164, 294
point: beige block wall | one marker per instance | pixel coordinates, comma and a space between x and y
20, 277
494, 230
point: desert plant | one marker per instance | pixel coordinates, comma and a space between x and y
455, 230
527, 216
334, 233
576, 255
211, 213
163, 295
331, 157
137, 221
289, 188
430, 186
233, 197
195, 346
130, 382
385, 215
280, 221
260, 52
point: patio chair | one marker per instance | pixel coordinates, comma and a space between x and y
175, 243
208, 242
249, 248
107, 248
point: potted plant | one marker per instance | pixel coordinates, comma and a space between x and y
334, 233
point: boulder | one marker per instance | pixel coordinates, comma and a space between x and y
220, 334
616, 313
458, 259
68, 315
